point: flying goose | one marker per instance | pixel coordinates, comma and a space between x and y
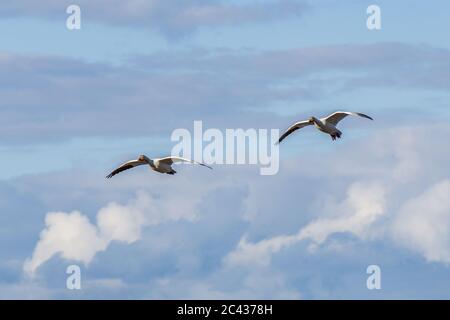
162, 165
327, 124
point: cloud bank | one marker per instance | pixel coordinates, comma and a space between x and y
35, 106
398, 201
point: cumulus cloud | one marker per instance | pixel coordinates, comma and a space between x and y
423, 223
389, 199
70, 234
364, 204
74, 237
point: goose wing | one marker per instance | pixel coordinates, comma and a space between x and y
337, 116
127, 165
173, 159
294, 127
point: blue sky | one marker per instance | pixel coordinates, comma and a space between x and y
76, 103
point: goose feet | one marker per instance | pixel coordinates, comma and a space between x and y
335, 136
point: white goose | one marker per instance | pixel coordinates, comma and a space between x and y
326, 125
162, 165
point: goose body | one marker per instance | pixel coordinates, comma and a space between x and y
326, 125
161, 165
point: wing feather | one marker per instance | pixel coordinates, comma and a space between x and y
294, 127
127, 165
174, 159
337, 116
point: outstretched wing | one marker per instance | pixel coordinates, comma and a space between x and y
174, 159
126, 166
294, 127
334, 118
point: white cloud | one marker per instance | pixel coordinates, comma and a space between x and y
364, 204
74, 237
70, 234
423, 223
124, 223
